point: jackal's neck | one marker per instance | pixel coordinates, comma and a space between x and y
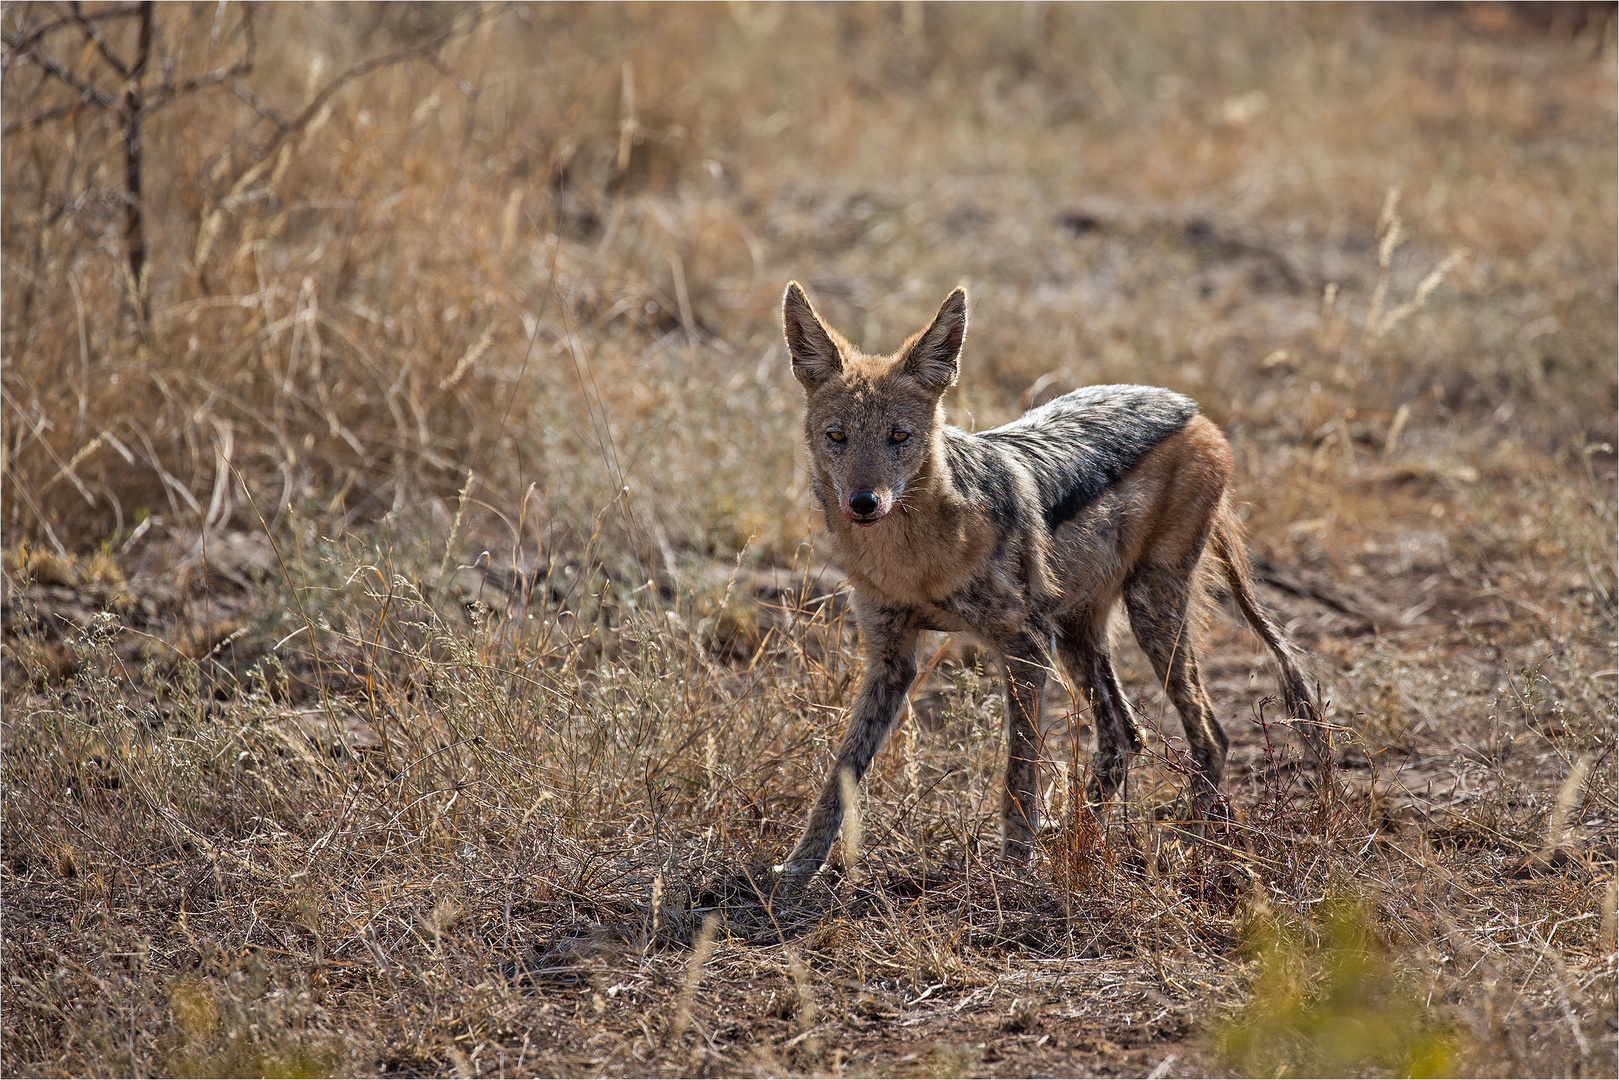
934, 484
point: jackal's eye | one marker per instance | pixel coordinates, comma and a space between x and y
835, 436
898, 436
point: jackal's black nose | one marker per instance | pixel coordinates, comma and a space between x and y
863, 503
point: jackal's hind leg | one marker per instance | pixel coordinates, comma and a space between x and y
1027, 665
889, 675
1158, 599
1083, 645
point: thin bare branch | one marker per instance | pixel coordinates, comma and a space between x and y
466, 89
167, 92
89, 93
426, 52
131, 107
93, 32
29, 123
260, 106
28, 38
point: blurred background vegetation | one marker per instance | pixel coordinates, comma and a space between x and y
377, 247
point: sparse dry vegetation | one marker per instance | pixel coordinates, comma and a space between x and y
417, 642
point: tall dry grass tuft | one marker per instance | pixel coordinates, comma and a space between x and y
348, 339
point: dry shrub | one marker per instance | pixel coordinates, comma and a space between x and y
1333, 1006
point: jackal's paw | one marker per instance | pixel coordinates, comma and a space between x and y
1200, 814
790, 878
795, 869
1013, 865
1016, 849
1098, 798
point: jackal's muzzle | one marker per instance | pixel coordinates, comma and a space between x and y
867, 507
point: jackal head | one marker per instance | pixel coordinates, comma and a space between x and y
873, 423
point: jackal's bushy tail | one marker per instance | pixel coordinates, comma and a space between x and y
1226, 538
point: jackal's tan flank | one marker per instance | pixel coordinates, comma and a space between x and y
1027, 536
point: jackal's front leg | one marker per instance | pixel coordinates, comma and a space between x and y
1027, 664
890, 670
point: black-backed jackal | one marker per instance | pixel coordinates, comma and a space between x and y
1026, 536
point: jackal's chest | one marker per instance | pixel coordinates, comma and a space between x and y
949, 582
913, 563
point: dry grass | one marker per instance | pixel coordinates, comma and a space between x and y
417, 642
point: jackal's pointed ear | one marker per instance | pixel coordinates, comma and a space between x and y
933, 357
815, 355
